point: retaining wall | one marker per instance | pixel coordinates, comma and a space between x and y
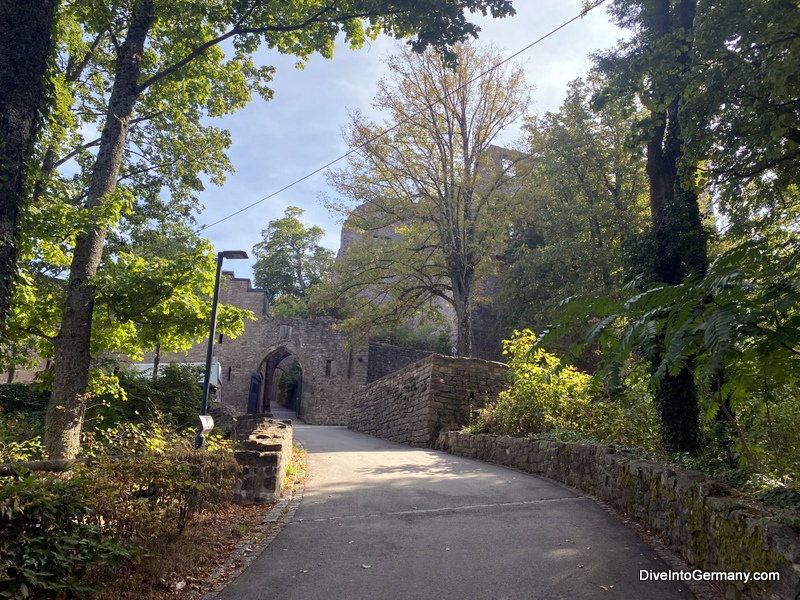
694, 515
414, 404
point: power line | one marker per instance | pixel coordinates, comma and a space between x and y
407, 119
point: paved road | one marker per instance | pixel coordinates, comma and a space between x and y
384, 521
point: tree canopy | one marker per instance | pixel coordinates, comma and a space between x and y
434, 193
146, 75
585, 202
289, 259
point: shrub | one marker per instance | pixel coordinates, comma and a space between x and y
49, 537
159, 494
174, 398
541, 397
546, 396
22, 398
20, 438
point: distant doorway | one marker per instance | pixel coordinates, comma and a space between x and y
282, 381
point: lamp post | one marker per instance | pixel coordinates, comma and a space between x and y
206, 422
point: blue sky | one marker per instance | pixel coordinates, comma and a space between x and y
278, 142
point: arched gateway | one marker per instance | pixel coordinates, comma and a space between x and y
332, 368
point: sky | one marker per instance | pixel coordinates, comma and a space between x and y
299, 131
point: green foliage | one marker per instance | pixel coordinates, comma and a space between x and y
428, 336
161, 493
22, 398
20, 437
290, 380
585, 196
289, 259
744, 122
539, 399
432, 196
55, 530
154, 292
738, 328
50, 536
173, 397
547, 397
290, 307
22, 408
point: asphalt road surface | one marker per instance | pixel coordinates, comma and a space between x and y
384, 521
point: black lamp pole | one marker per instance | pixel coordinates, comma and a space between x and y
206, 422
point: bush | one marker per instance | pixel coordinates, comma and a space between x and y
161, 494
546, 396
55, 529
423, 336
49, 537
20, 438
22, 398
541, 397
173, 399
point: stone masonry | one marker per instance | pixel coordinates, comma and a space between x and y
332, 371
414, 404
695, 516
263, 450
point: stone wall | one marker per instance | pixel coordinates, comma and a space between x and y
414, 404
332, 370
333, 367
385, 359
264, 450
694, 515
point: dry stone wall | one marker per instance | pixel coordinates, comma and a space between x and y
264, 450
414, 404
694, 515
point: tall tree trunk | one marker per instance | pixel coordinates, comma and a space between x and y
25, 40
679, 237
462, 283
64, 419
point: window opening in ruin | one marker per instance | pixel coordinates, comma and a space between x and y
229, 373
328, 364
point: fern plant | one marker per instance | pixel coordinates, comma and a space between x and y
737, 328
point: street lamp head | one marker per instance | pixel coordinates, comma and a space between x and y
233, 254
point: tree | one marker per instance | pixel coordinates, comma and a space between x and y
743, 112
586, 198
655, 65
156, 58
24, 50
435, 194
740, 319
289, 259
156, 295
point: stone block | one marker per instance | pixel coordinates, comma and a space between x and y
263, 456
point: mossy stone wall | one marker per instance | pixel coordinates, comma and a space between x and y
694, 515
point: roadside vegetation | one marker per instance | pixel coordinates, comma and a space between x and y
145, 517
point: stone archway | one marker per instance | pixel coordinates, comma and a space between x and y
277, 363
332, 369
